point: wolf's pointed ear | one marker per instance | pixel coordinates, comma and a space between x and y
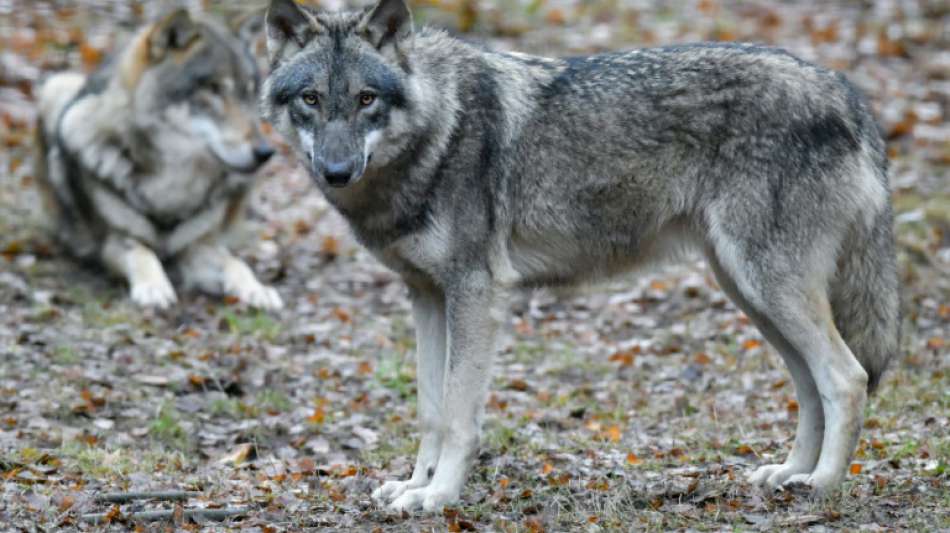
390, 21
247, 25
289, 28
174, 32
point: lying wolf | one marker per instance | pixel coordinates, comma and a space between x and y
152, 157
470, 172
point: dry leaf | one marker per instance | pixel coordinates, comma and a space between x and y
238, 455
744, 449
751, 344
330, 246
613, 433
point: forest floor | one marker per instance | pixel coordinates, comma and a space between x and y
640, 405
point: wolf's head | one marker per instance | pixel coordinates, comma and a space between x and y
340, 86
197, 79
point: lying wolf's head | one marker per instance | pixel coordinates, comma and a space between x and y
198, 79
340, 86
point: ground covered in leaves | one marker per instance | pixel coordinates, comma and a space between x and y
640, 405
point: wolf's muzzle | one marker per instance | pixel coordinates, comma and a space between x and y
338, 173
262, 153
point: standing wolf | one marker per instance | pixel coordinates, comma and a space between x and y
469, 172
152, 158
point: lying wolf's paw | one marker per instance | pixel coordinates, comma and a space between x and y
394, 489
430, 499
156, 292
258, 295
772, 476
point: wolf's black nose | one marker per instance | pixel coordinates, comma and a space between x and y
339, 173
262, 153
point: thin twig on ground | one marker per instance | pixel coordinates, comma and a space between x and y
155, 516
125, 497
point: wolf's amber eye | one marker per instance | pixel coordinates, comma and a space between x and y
309, 98
367, 99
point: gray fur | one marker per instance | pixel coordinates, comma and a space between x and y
152, 157
490, 171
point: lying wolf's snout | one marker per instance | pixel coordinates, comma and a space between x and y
337, 173
262, 152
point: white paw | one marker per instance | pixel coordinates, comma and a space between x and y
815, 481
157, 292
257, 295
773, 476
391, 490
430, 499
760, 475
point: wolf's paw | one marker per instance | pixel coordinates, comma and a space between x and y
260, 296
391, 490
154, 293
772, 476
815, 482
431, 500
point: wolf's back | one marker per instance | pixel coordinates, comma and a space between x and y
50, 168
55, 94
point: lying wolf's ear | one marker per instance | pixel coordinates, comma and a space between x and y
174, 32
389, 22
247, 26
289, 28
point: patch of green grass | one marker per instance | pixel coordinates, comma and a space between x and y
226, 407
909, 449
254, 323
167, 428
527, 352
65, 355
500, 437
101, 462
390, 448
393, 372
272, 401
94, 314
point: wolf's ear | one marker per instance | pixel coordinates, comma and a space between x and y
390, 21
289, 28
174, 32
247, 26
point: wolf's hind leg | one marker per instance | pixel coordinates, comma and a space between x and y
212, 269
811, 419
842, 384
794, 299
148, 283
428, 311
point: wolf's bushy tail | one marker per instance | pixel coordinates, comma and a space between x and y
865, 297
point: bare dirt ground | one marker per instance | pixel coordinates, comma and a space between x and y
639, 406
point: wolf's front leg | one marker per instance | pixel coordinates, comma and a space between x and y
148, 283
212, 269
471, 334
428, 312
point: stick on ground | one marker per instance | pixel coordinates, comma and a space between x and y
124, 497
155, 516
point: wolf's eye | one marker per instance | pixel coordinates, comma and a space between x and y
367, 99
214, 87
309, 98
